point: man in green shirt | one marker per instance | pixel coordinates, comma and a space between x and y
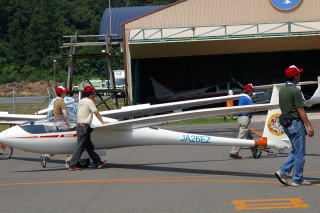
291, 102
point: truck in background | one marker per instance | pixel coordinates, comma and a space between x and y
119, 77
99, 84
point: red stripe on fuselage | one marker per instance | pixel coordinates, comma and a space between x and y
48, 136
51, 136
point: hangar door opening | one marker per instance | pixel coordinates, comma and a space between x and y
194, 72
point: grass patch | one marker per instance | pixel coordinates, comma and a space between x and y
102, 107
23, 108
4, 127
204, 121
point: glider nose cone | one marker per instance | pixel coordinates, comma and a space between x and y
7, 136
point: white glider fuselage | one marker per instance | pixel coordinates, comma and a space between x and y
65, 142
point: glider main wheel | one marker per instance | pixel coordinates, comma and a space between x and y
43, 161
256, 152
84, 163
5, 152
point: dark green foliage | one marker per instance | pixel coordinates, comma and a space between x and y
31, 33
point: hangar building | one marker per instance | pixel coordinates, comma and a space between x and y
195, 43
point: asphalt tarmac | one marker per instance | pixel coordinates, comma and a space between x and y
162, 179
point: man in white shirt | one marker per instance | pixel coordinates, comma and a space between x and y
86, 109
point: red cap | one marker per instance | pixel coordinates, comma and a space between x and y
88, 89
248, 87
59, 91
292, 71
64, 89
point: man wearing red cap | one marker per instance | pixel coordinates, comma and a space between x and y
86, 109
244, 120
59, 107
296, 125
61, 114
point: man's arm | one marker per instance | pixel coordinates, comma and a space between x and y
304, 118
100, 118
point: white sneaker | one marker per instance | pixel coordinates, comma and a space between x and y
303, 183
282, 178
102, 163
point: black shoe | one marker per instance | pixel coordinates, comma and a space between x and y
235, 156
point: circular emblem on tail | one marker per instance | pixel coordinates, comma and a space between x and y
285, 4
274, 125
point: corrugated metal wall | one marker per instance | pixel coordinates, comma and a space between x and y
218, 12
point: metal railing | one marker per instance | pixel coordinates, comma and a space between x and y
224, 32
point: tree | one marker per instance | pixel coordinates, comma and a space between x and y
41, 35
31, 33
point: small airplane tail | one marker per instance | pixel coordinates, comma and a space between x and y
315, 99
160, 91
273, 131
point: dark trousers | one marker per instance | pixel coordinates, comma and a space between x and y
84, 143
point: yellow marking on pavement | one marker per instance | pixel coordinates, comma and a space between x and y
159, 179
311, 172
284, 203
137, 180
199, 176
256, 132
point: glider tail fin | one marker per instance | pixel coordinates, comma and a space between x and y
161, 91
273, 131
315, 99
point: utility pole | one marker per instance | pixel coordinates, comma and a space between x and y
55, 73
110, 20
108, 51
110, 71
70, 67
14, 100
